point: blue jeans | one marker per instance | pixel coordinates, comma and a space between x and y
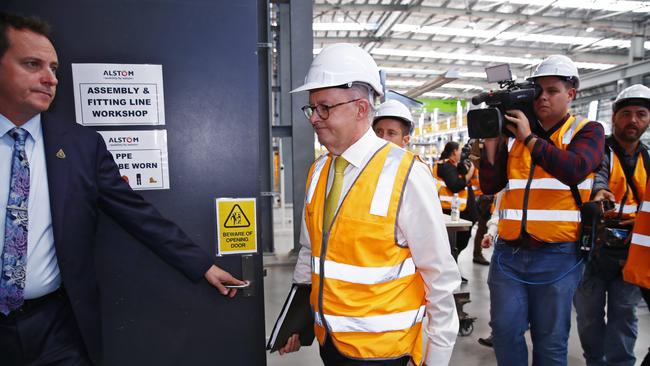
611, 342
545, 308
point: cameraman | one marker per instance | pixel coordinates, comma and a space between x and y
454, 174
535, 269
621, 179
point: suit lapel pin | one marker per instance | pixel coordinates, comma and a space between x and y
60, 154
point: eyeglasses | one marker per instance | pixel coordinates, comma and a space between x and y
322, 110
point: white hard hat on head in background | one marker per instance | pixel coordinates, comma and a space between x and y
341, 64
395, 109
558, 65
636, 94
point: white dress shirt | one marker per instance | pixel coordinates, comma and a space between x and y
42, 272
421, 227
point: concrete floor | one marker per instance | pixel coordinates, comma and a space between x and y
467, 351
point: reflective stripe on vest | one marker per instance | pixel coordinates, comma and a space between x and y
627, 209
381, 199
317, 169
640, 239
540, 215
552, 214
546, 183
373, 324
364, 275
363, 283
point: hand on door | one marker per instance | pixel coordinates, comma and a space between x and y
218, 278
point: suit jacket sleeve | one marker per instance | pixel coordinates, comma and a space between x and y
143, 221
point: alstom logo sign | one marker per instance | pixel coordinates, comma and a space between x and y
119, 73
123, 140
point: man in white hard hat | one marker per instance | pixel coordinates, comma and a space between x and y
374, 244
621, 179
547, 171
394, 122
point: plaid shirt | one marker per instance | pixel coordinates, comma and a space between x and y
571, 166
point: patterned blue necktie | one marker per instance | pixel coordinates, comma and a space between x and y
14, 254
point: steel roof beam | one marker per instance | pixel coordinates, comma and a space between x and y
611, 25
601, 57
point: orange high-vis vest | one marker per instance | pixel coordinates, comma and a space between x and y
637, 266
445, 194
474, 182
618, 184
552, 215
366, 292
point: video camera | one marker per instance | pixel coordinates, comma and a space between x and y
490, 122
465, 162
599, 231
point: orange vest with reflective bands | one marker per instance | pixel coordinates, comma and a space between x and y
474, 182
637, 266
366, 292
552, 215
445, 194
618, 184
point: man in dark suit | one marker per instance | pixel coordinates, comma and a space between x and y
54, 176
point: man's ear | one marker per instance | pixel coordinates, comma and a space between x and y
406, 139
363, 108
572, 93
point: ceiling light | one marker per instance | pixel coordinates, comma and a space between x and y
344, 26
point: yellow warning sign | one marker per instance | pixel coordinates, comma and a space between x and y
236, 230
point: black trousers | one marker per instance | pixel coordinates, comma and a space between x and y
332, 357
483, 204
42, 333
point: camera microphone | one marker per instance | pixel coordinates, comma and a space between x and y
480, 98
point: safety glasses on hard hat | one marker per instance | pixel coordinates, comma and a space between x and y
322, 110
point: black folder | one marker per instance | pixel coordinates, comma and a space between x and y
295, 317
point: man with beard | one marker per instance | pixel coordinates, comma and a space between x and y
621, 178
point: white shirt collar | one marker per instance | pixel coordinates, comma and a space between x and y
369, 143
33, 126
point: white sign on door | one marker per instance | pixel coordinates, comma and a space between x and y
141, 157
117, 95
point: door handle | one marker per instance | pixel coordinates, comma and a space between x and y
248, 274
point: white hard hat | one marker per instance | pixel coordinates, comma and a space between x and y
635, 92
558, 65
394, 109
340, 64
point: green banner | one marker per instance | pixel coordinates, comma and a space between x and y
443, 105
